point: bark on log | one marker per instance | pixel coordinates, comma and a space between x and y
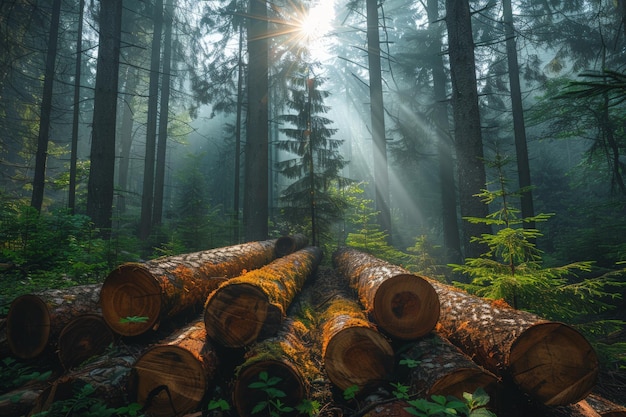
163, 288
353, 350
286, 245
605, 407
550, 361
35, 321
108, 375
172, 377
284, 356
20, 401
83, 337
252, 306
444, 370
402, 304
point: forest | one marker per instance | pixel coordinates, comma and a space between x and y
477, 147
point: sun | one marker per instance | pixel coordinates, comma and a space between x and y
316, 26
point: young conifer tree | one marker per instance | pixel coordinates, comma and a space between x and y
313, 160
512, 269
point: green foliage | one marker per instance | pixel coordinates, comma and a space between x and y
82, 404
409, 363
272, 404
134, 319
512, 269
424, 257
400, 391
14, 374
350, 392
365, 233
473, 406
218, 404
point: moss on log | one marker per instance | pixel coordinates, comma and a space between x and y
252, 306
402, 304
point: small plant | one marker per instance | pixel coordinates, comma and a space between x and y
14, 374
409, 363
272, 404
218, 405
400, 391
308, 407
134, 319
350, 392
473, 406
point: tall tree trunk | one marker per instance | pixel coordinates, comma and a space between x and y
381, 174
519, 129
39, 179
159, 183
237, 172
467, 129
147, 194
126, 136
451, 237
101, 174
255, 210
75, 119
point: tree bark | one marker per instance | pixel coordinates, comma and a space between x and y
39, 179
255, 203
71, 198
402, 304
252, 306
283, 356
444, 370
377, 113
171, 378
102, 169
163, 288
353, 351
467, 127
605, 407
20, 401
549, 361
35, 321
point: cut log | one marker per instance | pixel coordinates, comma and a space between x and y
20, 401
354, 352
284, 356
286, 245
443, 369
83, 337
137, 297
172, 377
35, 321
252, 306
605, 407
550, 361
402, 304
108, 376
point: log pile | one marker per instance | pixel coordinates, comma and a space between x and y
177, 325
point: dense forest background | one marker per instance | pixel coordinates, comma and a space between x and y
474, 141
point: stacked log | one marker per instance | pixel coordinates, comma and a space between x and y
35, 321
172, 377
85, 336
354, 352
444, 370
549, 361
605, 407
137, 297
286, 245
402, 304
284, 358
252, 306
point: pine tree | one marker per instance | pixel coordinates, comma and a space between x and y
315, 163
512, 268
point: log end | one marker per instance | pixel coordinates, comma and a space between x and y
406, 307
553, 363
235, 314
291, 383
131, 300
85, 336
286, 245
168, 381
28, 326
358, 356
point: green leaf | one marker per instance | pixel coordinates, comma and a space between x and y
260, 406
